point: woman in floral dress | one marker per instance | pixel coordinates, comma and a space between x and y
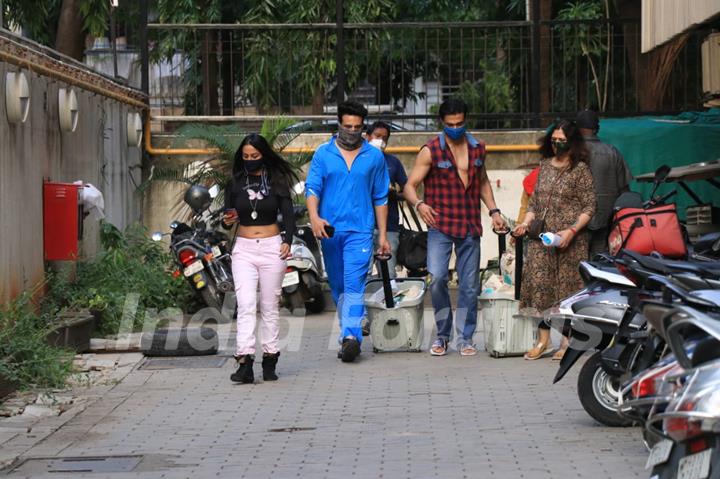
565, 198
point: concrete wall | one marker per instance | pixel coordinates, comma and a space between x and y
30, 152
495, 160
505, 170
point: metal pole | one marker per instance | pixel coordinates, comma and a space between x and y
144, 55
113, 39
535, 65
340, 51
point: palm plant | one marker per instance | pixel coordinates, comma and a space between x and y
217, 170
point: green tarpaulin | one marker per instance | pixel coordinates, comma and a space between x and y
649, 142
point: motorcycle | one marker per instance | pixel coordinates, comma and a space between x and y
302, 287
689, 447
200, 250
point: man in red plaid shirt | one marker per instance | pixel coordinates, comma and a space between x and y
452, 169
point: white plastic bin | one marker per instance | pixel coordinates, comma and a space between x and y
505, 333
399, 328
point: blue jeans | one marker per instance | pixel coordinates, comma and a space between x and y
467, 252
347, 256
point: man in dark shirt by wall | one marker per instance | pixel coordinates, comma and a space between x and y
378, 135
610, 174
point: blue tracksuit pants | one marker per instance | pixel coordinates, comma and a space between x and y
347, 257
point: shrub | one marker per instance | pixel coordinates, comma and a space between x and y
130, 263
25, 356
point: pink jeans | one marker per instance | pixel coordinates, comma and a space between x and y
258, 260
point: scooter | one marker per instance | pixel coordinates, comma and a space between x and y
690, 423
302, 287
608, 317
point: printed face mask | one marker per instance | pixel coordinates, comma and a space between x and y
378, 143
349, 139
455, 133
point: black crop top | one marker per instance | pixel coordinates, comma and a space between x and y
258, 203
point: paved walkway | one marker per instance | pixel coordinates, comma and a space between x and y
389, 415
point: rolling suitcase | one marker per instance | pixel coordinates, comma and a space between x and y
506, 333
395, 313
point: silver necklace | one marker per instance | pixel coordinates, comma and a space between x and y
253, 195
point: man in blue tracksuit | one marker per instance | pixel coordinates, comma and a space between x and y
347, 188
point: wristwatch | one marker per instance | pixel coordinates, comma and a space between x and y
493, 211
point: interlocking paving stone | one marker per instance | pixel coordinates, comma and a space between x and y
387, 415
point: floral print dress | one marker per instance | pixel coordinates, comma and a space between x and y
552, 274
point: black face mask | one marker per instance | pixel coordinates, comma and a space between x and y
560, 147
251, 166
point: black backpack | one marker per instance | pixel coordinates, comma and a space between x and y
412, 247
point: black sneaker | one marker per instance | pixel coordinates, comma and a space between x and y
350, 349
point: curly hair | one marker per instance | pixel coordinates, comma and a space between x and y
578, 150
351, 108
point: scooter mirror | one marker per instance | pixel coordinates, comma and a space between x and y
661, 173
214, 191
173, 225
157, 236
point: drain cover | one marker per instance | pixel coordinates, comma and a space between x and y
190, 362
40, 465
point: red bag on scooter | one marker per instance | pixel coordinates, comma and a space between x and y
647, 230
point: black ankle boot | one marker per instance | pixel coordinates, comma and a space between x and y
244, 373
268, 364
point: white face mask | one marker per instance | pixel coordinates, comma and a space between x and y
378, 143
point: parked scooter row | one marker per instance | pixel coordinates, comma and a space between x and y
678, 401
607, 316
654, 326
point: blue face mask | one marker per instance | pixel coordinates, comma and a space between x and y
455, 133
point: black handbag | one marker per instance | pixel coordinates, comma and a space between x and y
412, 247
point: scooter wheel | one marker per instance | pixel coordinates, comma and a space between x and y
317, 305
297, 304
598, 393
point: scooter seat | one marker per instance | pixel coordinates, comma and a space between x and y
709, 269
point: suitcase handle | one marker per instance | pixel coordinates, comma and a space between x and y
385, 276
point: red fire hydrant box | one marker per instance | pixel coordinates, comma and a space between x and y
60, 221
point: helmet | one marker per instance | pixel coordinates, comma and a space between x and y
198, 198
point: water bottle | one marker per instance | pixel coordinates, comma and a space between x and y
550, 239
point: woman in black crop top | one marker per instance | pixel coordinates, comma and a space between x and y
260, 190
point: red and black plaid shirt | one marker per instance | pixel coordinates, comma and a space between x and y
458, 207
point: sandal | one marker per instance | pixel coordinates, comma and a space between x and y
559, 354
468, 349
439, 347
537, 351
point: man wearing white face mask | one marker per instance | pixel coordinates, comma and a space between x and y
378, 135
